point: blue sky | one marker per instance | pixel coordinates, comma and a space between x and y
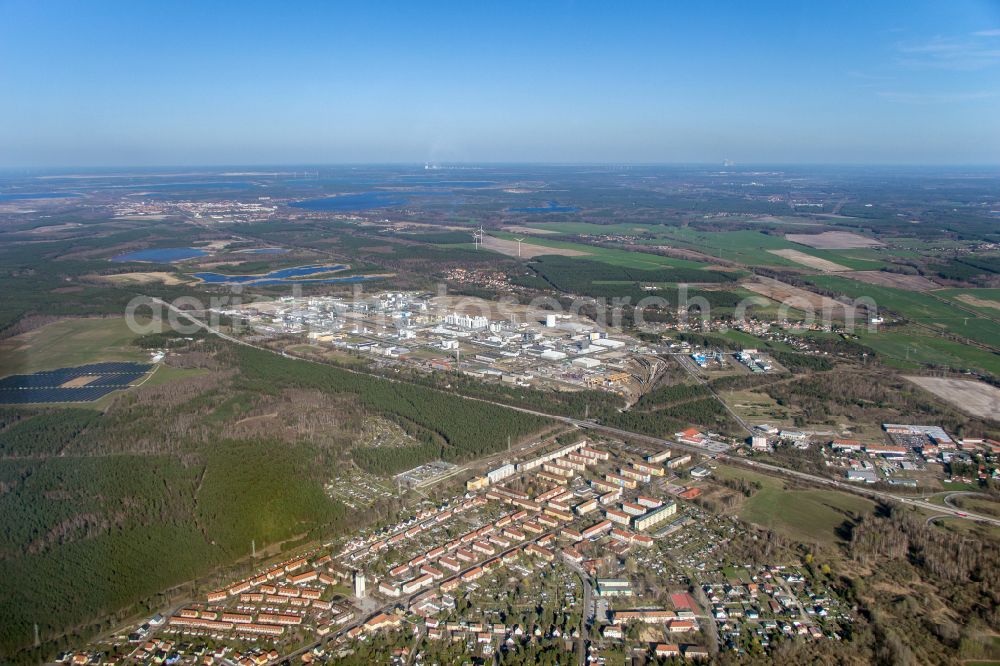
186, 83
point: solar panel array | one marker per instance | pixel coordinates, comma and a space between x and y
46, 386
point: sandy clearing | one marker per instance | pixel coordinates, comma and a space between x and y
834, 240
970, 395
978, 302
141, 278
528, 250
796, 297
810, 261
78, 382
215, 245
895, 280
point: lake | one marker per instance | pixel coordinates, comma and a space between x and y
551, 207
161, 255
17, 196
295, 275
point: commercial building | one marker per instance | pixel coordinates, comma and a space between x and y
862, 475
614, 587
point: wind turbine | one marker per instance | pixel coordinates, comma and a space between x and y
519, 246
478, 236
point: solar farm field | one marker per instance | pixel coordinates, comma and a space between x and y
80, 384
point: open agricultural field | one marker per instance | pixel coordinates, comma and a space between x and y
527, 250
834, 240
909, 348
611, 256
69, 342
984, 301
810, 261
795, 297
895, 280
975, 397
918, 307
755, 248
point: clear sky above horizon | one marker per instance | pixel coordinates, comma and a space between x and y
187, 83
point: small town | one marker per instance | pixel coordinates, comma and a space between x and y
595, 548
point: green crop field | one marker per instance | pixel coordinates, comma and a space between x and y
918, 307
983, 301
911, 347
754, 248
623, 258
69, 342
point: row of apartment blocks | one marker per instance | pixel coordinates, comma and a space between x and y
402, 534
556, 465
282, 571
486, 541
534, 548
374, 543
533, 517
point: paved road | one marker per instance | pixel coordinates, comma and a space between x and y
657, 441
587, 618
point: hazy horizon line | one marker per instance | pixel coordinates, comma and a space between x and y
432, 166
